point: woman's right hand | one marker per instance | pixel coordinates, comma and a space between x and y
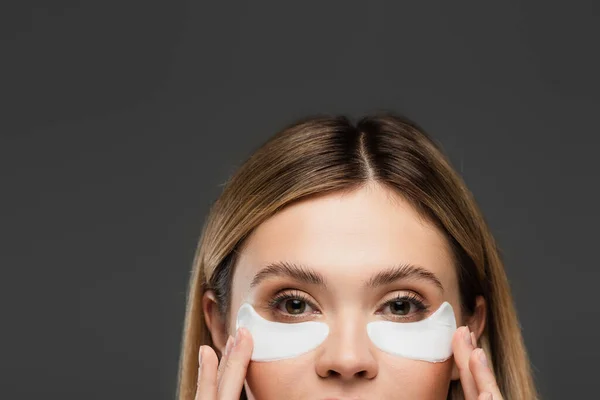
224, 380
476, 377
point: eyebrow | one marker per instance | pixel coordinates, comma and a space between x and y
307, 275
297, 272
404, 271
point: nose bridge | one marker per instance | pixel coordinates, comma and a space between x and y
350, 328
347, 352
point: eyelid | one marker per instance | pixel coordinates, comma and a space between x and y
414, 299
410, 294
286, 294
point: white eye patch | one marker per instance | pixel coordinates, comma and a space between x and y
277, 341
427, 340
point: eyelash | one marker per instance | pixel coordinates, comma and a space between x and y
283, 296
413, 299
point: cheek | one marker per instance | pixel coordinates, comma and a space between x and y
294, 377
409, 379
397, 379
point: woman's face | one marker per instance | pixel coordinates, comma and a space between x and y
353, 245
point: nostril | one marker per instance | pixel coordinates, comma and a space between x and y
337, 362
361, 374
332, 374
335, 374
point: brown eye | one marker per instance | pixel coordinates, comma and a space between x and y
405, 307
400, 307
295, 306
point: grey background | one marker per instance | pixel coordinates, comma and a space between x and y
120, 121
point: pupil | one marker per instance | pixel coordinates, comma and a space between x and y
295, 306
400, 307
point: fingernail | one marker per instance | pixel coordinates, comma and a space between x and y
228, 345
237, 337
467, 335
487, 396
199, 363
482, 357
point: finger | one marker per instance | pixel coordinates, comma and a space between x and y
485, 396
473, 340
484, 377
462, 348
236, 366
224, 357
206, 388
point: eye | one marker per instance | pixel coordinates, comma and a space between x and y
294, 306
291, 304
404, 307
400, 307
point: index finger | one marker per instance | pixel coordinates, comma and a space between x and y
206, 388
462, 345
234, 373
484, 377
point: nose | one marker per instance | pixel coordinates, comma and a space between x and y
347, 352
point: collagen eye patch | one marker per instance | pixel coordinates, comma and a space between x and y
427, 340
277, 341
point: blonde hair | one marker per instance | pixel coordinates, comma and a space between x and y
325, 154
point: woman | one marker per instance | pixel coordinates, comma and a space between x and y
346, 225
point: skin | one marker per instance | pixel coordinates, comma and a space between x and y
347, 239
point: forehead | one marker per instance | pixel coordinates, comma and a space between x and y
348, 235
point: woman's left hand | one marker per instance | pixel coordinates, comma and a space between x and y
476, 377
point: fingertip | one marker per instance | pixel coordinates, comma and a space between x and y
462, 356
474, 359
207, 371
207, 356
483, 357
484, 375
242, 338
228, 345
457, 333
459, 336
461, 350
246, 333
478, 363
